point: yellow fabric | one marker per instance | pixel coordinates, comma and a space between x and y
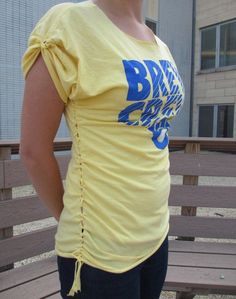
120, 94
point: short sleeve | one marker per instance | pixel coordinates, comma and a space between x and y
50, 37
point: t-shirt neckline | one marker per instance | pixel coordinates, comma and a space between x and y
109, 21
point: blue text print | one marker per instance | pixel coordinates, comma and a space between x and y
160, 81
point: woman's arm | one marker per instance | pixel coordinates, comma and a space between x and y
41, 116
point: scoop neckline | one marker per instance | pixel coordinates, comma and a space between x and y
109, 21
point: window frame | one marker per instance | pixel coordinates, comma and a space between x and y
215, 117
217, 59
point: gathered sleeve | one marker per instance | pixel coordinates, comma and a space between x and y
50, 37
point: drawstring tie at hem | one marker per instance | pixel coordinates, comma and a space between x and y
76, 286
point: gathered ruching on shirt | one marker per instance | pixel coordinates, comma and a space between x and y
78, 253
60, 63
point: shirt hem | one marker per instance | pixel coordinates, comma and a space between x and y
71, 255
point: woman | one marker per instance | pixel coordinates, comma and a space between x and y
118, 87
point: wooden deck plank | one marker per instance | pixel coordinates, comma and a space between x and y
22, 210
38, 288
222, 165
201, 260
26, 209
54, 296
202, 227
20, 275
16, 174
187, 278
203, 196
27, 245
202, 247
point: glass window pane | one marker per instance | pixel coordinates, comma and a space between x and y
152, 25
225, 121
206, 115
228, 44
208, 48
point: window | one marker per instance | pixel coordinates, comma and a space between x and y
225, 123
208, 48
152, 25
206, 117
228, 44
216, 121
218, 45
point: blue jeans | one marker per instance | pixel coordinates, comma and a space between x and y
144, 281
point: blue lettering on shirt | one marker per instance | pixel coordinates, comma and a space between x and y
161, 82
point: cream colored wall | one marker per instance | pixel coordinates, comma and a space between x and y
216, 87
151, 9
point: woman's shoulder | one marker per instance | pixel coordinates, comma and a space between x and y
66, 13
56, 11
166, 49
69, 7
160, 42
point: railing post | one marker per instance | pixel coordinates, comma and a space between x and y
190, 148
5, 194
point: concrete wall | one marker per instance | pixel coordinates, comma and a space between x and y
213, 87
175, 29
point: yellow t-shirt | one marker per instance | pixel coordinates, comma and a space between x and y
120, 94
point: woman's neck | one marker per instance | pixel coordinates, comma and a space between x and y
122, 8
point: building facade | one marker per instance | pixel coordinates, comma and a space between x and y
214, 111
202, 37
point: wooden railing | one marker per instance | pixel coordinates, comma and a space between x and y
175, 143
13, 174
